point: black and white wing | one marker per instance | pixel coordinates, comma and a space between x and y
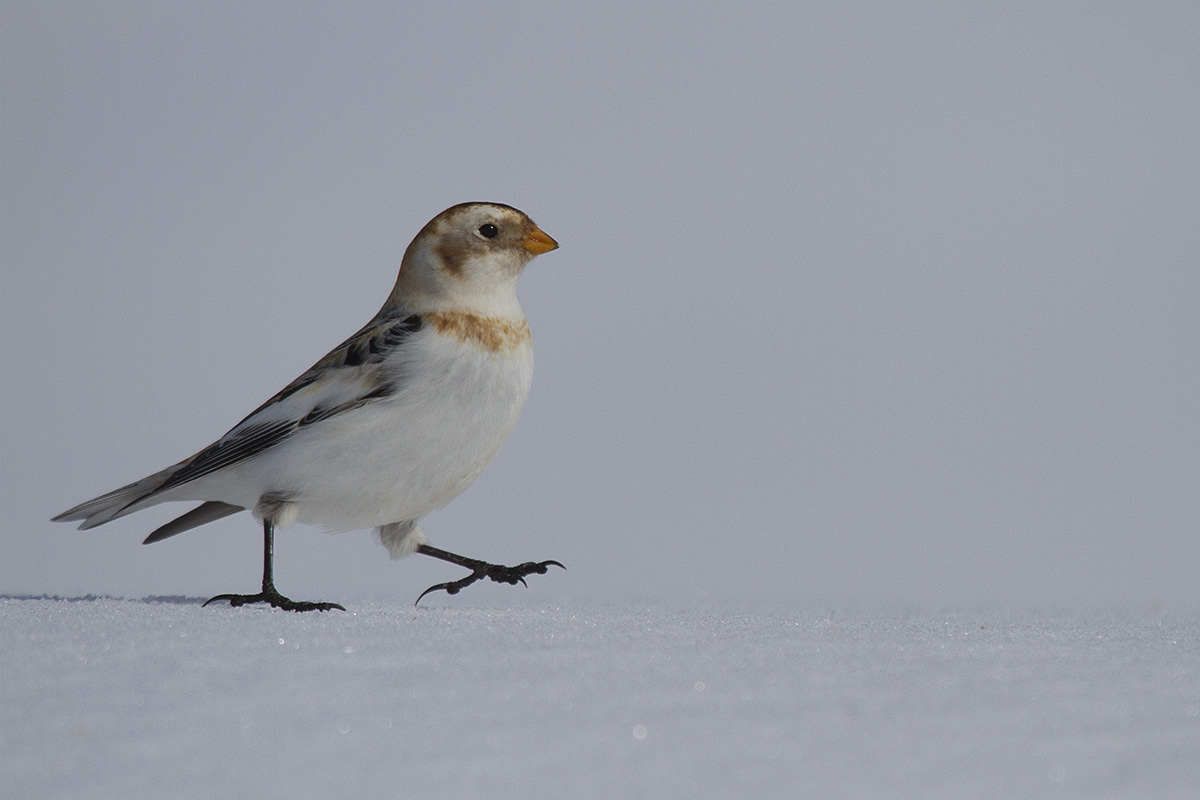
350, 376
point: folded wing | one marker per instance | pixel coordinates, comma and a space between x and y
348, 377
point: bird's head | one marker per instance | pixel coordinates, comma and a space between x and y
469, 258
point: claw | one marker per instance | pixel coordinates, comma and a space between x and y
495, 572
444, 586
274, 599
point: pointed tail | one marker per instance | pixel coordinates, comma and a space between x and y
116, 503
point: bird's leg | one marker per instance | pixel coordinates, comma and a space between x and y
269, 593
482, 569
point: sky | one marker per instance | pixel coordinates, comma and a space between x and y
862, 304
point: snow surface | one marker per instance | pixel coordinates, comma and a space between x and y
160, 698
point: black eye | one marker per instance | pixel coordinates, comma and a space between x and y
488, 230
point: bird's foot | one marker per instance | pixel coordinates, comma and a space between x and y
273, 598
496, 572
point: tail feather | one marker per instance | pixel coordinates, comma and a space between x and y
201, 515
139, 495
116, 503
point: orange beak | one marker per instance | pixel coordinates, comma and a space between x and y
537, 242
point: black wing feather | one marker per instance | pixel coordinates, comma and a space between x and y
248, 443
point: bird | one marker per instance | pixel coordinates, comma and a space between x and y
393, 423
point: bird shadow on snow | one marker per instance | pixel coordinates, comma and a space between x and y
153, 599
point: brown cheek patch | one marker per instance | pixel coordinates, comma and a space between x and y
487, 333
453, 256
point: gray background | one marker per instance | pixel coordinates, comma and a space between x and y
873, 303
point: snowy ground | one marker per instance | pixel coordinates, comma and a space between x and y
159, 698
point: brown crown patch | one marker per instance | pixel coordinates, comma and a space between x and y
493, 334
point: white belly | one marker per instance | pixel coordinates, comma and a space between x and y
399, 458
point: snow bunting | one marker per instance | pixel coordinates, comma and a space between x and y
395, 422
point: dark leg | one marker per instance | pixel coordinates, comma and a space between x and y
482, 569
269, 593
